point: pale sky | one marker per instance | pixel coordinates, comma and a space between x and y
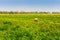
30, 5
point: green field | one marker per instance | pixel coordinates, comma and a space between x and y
23, 27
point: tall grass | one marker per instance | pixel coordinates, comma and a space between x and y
23, 27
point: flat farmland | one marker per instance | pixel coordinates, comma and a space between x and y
23, 27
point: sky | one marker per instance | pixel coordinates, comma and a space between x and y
30, 5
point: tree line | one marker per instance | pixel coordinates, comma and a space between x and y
11, 12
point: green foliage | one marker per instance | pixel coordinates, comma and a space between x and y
23, 27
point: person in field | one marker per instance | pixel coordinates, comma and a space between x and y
36, 19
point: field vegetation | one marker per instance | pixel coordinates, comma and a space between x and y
23, 27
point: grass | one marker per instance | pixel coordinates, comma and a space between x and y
23, 27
